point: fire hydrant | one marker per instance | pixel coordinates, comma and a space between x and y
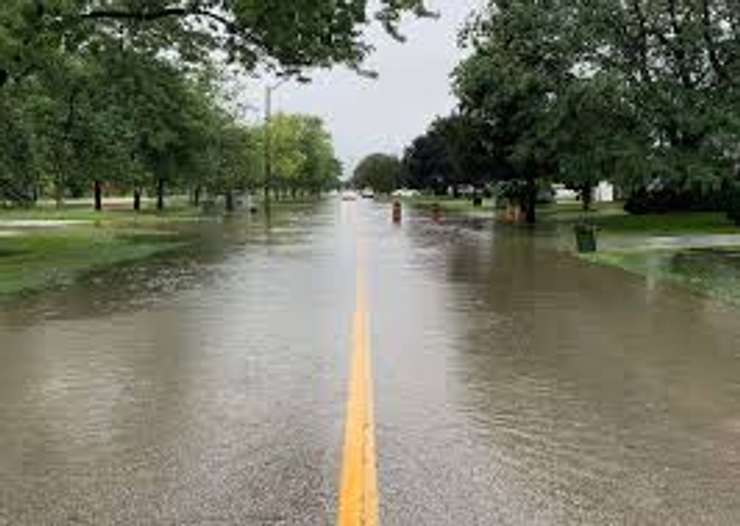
397, 212
436, 213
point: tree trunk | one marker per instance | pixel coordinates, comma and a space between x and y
98, 196
587, 194
59, 190
229, 201
137, 200
160, 194
455, 192
531, 203
196, 196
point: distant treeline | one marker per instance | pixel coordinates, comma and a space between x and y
127, 95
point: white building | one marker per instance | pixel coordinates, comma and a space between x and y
602, 193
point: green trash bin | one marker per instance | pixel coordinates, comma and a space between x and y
586, 238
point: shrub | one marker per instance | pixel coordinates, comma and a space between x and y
666, 199
733, 204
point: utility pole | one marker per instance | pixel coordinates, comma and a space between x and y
268, 145
268, 139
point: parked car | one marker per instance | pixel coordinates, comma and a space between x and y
406, 193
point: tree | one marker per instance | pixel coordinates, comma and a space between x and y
378, 171
470, 162
427, 163
234, 160
113, 93
18, 164
302, 154
320, 170
523, 56
291, 36
668, 68
678, 61
599, 136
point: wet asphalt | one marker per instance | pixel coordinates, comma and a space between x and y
514, 384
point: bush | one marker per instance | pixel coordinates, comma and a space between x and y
733, 204
663, 200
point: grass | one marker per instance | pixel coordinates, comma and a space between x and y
462, 206
670, 224
46, 259
713, 272
36, 259
611, 218
107, 216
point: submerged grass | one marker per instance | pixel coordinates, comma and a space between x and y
53, 255
459, 206
39, 260
713, 272
35, 259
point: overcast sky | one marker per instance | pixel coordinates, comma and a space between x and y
383, 115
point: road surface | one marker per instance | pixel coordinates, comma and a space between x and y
333, 368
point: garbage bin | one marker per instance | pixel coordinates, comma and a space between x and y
586, 238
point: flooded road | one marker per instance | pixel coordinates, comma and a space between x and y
513, 384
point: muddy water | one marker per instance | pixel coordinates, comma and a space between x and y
514, 383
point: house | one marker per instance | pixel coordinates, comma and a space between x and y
602, 193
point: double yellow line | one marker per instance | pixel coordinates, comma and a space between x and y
358, 499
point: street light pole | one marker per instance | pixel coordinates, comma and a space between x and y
268, 139
268, 145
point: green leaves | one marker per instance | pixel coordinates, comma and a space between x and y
302, 153
289, 36
633, 91
380, 172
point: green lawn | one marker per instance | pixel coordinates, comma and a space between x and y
44, 259
711, 272
670, 224
455, 206
106, 216
33, 259
612, 219
609, 217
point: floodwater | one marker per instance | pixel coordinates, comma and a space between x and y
514, 384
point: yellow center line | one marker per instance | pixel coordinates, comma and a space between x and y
358, 499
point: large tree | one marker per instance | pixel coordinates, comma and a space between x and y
452, 152
524, 56
291, 35
552, 81
302, 154
679, 61
379, 171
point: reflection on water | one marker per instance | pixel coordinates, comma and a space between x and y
571, 394
514, 383
183, 390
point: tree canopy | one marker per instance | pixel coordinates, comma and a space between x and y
379, 171
126, 94
633, 91
291, 36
